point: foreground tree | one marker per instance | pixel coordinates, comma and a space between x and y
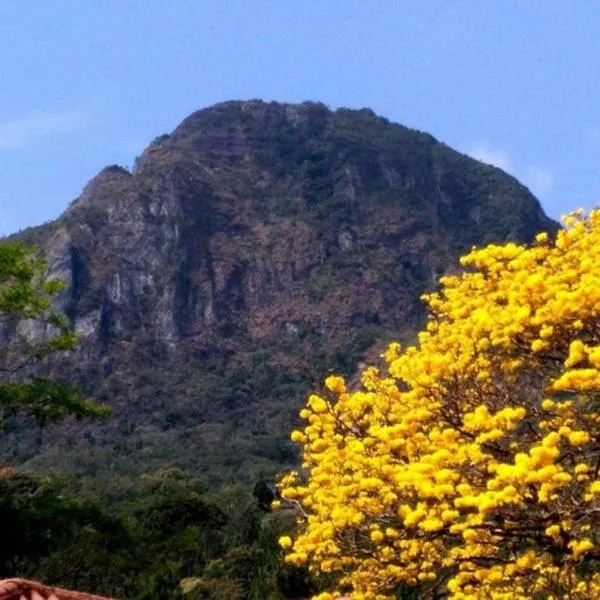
31, 331
470, 467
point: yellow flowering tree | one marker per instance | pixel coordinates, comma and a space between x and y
470, 466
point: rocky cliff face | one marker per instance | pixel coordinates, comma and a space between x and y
252, 249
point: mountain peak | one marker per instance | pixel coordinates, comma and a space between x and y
253, 249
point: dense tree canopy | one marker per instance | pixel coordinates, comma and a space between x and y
470, 466
30, 332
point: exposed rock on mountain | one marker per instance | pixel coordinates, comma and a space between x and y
252, 249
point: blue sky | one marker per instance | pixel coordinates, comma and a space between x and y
86, 84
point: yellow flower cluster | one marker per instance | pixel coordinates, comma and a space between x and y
470, 466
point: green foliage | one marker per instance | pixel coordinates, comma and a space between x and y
41, 525
201, 588
45, 401
31, 332
170, 542
23, 292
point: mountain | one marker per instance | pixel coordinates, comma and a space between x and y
251, 251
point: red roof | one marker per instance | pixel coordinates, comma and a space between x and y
23, 589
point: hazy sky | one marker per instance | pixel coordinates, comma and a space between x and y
86, 83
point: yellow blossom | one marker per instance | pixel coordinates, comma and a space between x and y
285, 541
473, 452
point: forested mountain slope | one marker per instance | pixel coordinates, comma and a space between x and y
251, 251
